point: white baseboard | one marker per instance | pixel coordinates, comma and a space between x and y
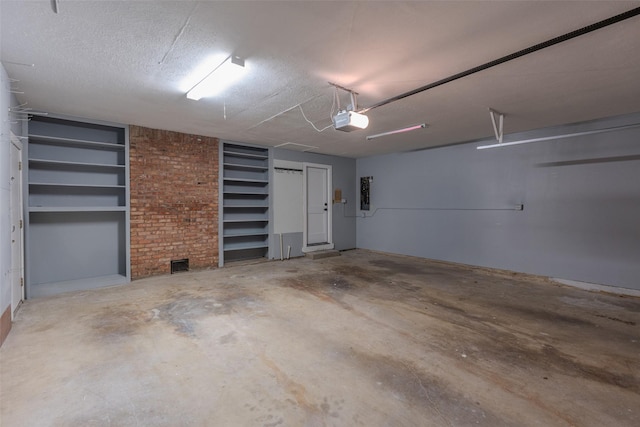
599, 288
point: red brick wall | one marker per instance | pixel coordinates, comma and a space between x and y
174, 200
5, 324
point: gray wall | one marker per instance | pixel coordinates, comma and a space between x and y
344, 172
581, 196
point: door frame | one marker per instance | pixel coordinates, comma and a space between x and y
305, 240
15, 142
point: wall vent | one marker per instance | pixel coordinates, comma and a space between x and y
178, 265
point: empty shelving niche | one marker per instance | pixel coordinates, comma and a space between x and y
245, 202
78, 209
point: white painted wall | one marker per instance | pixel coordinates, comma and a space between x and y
287, 197
8, 123
5, 220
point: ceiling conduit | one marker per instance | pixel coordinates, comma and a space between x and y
568, 36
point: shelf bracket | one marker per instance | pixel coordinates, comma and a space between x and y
498, 128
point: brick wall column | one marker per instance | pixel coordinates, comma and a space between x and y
174, 200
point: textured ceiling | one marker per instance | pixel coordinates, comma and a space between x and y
129, 62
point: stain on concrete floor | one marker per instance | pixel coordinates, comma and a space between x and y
363, 339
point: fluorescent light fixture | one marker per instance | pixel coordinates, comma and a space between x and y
549, 138
393, 132
231, 69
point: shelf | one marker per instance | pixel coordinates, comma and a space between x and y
244, 246
47, 184
241, 213
54, 140
246, 220
246, 206
245, 202
77, 209
245, 155
246, 234
254, 181
244, 167
246, 193
64, 164
239, 229
239, 256
77, 212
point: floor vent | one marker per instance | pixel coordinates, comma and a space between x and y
178, 265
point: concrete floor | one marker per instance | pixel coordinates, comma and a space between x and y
363, 339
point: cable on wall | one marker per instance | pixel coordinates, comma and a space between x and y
367, 214
551, 42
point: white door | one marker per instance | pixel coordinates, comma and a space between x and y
318, 207
17, 281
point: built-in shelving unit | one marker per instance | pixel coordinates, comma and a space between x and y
77, 227
245, 202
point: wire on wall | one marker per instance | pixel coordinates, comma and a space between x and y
372, 213
369, 214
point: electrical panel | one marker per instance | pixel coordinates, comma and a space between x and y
365, 193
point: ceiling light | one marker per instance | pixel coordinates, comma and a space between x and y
393, 132
220, 78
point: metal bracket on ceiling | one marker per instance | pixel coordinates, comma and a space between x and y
498, 128
352, 94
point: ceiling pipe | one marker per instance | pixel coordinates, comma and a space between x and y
568, 36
